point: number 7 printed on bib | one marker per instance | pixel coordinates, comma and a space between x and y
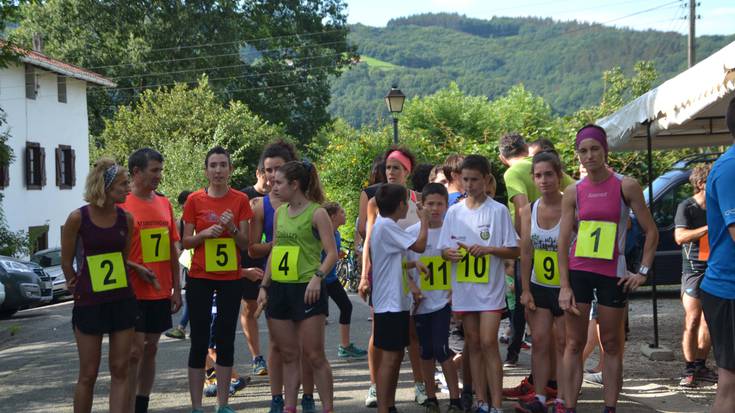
155, 244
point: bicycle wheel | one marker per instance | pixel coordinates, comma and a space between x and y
342, 274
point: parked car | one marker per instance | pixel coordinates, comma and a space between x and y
50, 260
2, 294
25, 283
669, 190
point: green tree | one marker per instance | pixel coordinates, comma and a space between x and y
183, 124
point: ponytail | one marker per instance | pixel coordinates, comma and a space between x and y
305, 173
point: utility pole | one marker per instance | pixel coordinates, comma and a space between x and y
692, 20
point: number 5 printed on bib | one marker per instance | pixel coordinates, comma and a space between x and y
285, 263
107, 272
155, 244
219, 255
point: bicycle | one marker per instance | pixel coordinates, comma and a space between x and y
347, 267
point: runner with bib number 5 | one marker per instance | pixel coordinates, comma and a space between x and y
293, 288
219, 215
540, 277
97, 236
598, 206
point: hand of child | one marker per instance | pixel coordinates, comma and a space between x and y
452, 254
474, 250
527, 300
423, 269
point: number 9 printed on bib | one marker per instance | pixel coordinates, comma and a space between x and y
546, 267
107, 272
285, 263
439, 278
155, 244
471, 269
220, 255
596, 239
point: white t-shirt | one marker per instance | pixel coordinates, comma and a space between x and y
488, 225
433, 300
388, 245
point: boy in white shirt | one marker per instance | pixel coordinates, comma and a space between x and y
434, 311
388, 245
476, 236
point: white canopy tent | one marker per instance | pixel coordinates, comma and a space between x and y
686, 111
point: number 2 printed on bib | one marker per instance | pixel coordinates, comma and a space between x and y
219, 255
155, 244
107, 272
546, 267
285, 263
596, 239
471, 269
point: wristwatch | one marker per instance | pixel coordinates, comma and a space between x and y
643, 270
320, 274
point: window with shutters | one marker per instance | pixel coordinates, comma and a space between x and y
65, 167
61, 88
31, 82
35, 166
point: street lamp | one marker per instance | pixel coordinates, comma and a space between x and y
394, 100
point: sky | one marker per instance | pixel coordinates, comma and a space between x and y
717, 16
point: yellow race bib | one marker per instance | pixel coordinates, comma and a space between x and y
220, 255
471, 269
107, 272
285, 263
155, 244
546, 267
596, 239
439, 274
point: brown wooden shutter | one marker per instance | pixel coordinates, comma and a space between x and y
42, 160
29, 169
73, 167
59, 178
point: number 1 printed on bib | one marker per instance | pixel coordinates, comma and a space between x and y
439, 278
596, 239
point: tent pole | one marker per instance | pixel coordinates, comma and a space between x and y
653, 265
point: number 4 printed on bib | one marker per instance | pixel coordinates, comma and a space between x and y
285, 263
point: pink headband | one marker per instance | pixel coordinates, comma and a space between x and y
591, 132
400, 157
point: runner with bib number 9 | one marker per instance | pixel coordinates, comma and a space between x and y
97, 237
293, 288
598, 207
540, 276
476, 236
216, 226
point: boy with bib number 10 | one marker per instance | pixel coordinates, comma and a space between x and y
477, 235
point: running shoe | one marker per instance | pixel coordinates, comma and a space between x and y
525, 345
482, 407
466, 400
532, 406
504, 340
431, 406
420, 391
351, 352
176, 333
307, 404
594, 378
372, 397
210, 388
276, 404
511, 361
705, 374
521, 390
238, 384
259, 366
688, 378
225, 409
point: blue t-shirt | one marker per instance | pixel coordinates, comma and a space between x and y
453, 197
332, 276
719, 279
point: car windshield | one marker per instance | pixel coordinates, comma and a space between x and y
47, 259
658, 184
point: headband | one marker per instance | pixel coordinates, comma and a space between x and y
592, 132
110, 174
400, 157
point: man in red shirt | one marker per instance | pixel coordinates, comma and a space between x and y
152, 249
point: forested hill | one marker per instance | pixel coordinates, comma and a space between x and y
561, 61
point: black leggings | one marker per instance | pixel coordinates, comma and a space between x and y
199, 294
338, 294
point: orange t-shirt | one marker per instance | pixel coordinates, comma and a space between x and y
218, 258
154, 232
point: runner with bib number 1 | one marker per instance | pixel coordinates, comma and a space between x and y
476, 236
216, 226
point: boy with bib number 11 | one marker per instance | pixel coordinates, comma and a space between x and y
477, 235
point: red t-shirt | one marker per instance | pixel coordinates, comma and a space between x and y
154, 231
218, 258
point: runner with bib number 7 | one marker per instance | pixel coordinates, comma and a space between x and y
598, 207
219, 215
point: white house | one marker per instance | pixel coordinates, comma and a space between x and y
45, 102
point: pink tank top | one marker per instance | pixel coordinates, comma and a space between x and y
602, 202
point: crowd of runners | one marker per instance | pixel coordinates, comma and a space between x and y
442, 264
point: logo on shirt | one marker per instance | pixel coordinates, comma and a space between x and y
212, 216
458, 238
485, 235
729, 212
597, 195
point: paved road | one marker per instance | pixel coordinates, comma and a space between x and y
38, 369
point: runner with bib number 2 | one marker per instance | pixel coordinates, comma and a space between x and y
477, 235
219, 215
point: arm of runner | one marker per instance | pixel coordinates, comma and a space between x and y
323, 224
519, 201
633, 192
266, 282
372, 213
684, 235
420, 244
68, 246
566, 227
526, 257
191, 240
362, 214
256, 248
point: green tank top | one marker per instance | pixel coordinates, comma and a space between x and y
298, 232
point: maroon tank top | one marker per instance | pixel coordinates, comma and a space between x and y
102, 276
